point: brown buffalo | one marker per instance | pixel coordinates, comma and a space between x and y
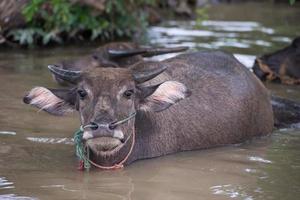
116, 54
221, 102
281, 66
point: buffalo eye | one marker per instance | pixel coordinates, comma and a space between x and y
81, 94
128, 93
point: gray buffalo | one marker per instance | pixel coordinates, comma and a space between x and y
126, 54
192, 101
115, 54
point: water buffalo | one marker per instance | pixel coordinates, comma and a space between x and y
221, 102
281, 66
286, 112
115, 54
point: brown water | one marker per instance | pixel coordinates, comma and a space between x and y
37, 158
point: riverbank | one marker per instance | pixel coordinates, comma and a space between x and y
25, 23
41, 22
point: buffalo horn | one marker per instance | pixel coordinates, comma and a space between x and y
125, 53
145, 52
66, 75
160, 51
147, 74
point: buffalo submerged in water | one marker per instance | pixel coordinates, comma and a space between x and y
126, 54
192, 101
281, 66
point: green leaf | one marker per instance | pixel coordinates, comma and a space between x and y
51, 20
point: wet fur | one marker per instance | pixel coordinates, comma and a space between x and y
228, 105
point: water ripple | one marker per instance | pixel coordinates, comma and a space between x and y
51, 140
58, 186
15, 197
213, 34
5, 184
231, 191
259, 159
7, 133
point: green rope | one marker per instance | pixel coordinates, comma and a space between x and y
81, 152
80, 149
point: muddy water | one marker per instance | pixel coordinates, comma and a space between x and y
37, 156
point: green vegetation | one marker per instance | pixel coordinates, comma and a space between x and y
57, 21
292, 1
201, 15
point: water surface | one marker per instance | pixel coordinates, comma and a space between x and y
37, 158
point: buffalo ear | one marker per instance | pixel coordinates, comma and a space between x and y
53, 101
164, 96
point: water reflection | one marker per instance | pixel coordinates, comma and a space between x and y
5, 184
258, 159
7, 133
246, 39
226, 33
230, 191
215, 35
14, 197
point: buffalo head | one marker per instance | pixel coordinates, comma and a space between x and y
105, 96
280, 66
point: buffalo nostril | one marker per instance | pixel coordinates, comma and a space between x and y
94, 126
112, 126
26, 100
